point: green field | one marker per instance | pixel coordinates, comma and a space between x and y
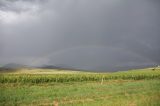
47, 87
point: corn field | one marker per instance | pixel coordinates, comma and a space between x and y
60, 78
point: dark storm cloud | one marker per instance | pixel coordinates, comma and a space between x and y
87, 34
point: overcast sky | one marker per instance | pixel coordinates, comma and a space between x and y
85, 34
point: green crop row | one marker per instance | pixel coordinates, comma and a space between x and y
39, 78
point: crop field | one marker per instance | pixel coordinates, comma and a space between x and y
48, 87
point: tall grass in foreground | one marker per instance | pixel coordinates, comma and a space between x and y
128, 88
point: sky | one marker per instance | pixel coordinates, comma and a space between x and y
102, 35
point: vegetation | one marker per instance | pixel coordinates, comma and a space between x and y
75, 88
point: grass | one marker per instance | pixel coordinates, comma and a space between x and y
128, 88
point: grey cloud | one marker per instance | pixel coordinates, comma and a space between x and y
87, 34
19, 6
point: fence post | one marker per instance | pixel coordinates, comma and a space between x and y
102, 80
